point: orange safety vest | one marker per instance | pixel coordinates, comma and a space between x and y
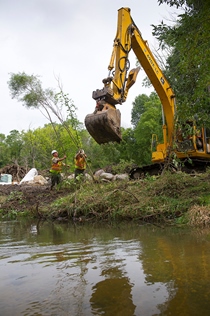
80, 163
56, 166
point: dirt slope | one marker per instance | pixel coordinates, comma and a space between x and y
27, 197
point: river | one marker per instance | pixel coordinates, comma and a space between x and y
103, 269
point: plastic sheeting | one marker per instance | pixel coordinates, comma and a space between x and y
30, 175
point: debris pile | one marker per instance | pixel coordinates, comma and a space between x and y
15, 170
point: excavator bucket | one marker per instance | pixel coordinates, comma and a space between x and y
104, 126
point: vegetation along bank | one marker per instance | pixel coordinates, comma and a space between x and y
169, 199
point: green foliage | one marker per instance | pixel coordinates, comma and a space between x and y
150, 123
32, 149
14, 142
176, 3
168, 199
13, 214
4, 151
128, 146
10, 215
182, 220
69, 184
138, 108
27, 89
188, 4
205, 199
122, 167
187, 67
16, 196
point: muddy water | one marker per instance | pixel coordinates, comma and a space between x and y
66, 269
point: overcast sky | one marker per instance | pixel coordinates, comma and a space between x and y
69, 39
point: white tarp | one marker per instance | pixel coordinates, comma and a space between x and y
30, 175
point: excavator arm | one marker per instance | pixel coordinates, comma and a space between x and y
104, 123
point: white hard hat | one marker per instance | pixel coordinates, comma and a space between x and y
82, 151
53, 151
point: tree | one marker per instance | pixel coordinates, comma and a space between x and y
187, 67
128, 145
150, 123
14, 142
28, 90
138, 108
4, 151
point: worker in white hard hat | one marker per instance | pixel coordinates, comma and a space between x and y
56, 168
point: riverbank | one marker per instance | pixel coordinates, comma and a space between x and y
170, 199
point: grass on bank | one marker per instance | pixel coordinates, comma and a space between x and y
177, 198
169, 199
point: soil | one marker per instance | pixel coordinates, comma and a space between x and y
27, 197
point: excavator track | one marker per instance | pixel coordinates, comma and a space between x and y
104, 126
197, 166
141, 172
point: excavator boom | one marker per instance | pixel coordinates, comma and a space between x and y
104, 124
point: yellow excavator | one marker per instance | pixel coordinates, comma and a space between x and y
105, 122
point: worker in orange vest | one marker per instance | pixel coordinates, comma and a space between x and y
56, 168
80, 163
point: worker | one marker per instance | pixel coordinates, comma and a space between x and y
80, 163
199, 141
56, 168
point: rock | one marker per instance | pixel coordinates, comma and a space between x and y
39, 179
98, 173
122, 177
107, 176
70, 177
88, 177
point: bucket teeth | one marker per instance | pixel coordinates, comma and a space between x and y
104, 126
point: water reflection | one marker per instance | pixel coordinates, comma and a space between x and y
116, 295
63, 269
